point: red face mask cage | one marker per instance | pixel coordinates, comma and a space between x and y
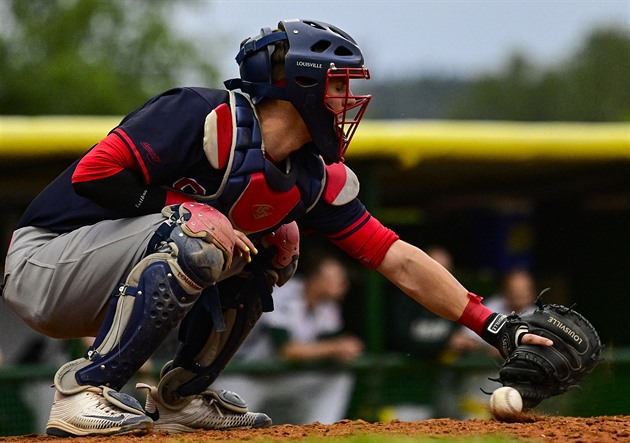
348, 109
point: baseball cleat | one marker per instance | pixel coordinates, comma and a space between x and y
96, 411
210, 410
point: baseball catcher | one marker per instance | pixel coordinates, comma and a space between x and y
188, 213
540, 372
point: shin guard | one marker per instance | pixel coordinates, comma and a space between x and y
217, 326
158, 293
205, 351
139, 320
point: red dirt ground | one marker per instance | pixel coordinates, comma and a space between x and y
536, 428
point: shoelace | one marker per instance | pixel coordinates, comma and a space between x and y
103, 405
212, 402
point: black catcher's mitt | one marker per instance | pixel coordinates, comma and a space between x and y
540, 372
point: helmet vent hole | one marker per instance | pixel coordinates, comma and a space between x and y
313, 24
320, 46
342, 51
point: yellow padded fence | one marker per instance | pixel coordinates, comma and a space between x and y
408, 141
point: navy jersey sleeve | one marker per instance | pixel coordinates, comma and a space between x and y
331, 220
353, 229
165, 137
166, 134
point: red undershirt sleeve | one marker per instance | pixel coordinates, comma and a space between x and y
367, 240
107, 158
475, 314
110, 175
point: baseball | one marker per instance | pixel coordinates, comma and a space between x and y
506, 404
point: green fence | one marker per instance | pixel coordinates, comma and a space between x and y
387, 387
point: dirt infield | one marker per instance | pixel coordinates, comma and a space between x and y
537, 428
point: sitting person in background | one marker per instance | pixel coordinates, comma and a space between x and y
305, 327
413, 329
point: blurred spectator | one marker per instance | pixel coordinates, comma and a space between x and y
305, 327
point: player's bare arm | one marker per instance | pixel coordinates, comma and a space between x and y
431, 285
425, 280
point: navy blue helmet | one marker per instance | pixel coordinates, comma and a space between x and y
317, 54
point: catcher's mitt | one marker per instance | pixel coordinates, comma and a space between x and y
540, 372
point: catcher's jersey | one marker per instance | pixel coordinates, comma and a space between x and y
206, 143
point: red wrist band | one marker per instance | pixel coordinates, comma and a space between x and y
475, 314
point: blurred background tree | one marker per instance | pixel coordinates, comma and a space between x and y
590, 85
91, 57
109, 56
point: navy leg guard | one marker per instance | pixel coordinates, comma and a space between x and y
156, 296
204, 351
157, 306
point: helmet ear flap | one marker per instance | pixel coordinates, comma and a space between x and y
257, 69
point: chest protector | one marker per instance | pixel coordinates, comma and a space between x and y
255, 194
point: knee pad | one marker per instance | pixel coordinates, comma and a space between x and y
286, 241
284, 246
205, 242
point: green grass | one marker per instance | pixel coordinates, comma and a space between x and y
403, 439
378, 438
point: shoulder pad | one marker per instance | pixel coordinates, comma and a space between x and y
217, 136
342, 185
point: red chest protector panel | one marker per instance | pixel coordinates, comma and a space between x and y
254, 194
259, 207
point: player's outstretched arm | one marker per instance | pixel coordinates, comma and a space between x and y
435, 288
424, 280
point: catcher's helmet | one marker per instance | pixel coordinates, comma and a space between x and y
317, 52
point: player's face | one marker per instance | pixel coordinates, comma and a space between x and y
339, 96
347, 108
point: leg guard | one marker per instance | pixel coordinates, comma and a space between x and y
205, 351
158, 293
200, 232
216, 327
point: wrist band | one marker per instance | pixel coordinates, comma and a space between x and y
475, 314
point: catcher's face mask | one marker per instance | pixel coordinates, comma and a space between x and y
347, 108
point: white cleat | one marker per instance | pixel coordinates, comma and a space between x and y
96, 411
210, 410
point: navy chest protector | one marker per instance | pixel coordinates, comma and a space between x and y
255, 194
